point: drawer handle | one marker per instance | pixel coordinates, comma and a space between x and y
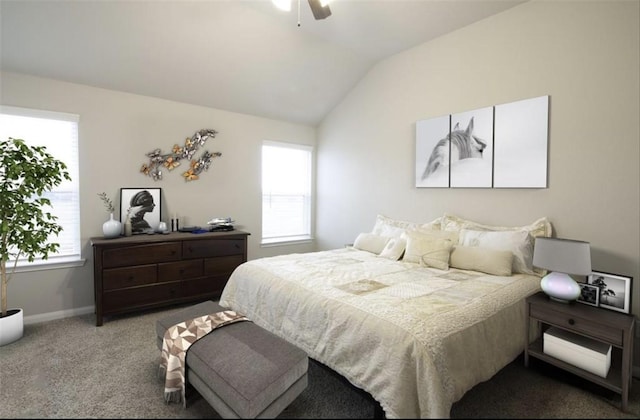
571, 321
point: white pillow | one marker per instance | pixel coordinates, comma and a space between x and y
394, 249
428, 250
371, 242
387, 226
540, 227
519, 242
486, 260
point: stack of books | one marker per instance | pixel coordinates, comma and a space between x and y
220, 224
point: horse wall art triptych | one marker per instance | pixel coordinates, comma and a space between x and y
503, 146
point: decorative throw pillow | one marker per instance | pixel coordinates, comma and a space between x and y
394, 249
428, 250
486, 260
451, 222
432, 225
387, 226
519, 242
442, 234
540, 227
370, 242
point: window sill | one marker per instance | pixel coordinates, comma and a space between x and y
267, 243
49, 265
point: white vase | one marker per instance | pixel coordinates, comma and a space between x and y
11, 326
111, 228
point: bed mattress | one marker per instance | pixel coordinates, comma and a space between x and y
416, 338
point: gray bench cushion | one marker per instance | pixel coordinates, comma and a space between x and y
242, 365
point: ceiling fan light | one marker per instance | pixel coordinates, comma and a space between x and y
282, 4
319, 11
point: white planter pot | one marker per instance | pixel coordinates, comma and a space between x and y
11, 326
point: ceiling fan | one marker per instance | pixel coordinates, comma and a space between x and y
320, 8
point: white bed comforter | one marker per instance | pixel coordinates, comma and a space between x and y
415, 338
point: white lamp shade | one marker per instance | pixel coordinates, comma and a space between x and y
563, 255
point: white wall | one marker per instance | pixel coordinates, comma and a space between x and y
585, 55
116, 131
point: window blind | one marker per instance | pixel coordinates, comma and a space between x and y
58, 132
286, 192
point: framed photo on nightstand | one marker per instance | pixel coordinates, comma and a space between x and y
589, 294
615, 290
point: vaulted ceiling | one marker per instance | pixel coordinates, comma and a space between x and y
241, 56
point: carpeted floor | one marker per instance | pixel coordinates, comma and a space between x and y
70, 368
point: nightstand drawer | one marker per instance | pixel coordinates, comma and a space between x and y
577, 324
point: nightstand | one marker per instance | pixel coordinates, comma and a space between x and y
613, 328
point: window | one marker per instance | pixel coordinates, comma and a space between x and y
58, 132
286, 192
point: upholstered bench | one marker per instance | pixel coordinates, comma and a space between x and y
241, 369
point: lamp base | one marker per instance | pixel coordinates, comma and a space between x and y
560, 287
555, 299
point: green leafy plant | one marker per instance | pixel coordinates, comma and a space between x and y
26, 172
107, 202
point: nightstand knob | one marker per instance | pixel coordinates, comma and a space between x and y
571, 321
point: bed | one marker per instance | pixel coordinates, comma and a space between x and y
416, 331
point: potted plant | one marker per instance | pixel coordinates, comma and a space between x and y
111, 228
26, 227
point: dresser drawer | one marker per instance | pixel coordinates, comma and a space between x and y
212, 248
179, 270
138, 296
204, 287
141, 254
577, 324
118, 278
222, 265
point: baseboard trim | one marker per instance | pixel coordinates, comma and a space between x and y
50, 316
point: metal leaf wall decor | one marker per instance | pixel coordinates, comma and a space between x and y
158, 160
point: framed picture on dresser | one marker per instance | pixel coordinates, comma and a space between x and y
615, 290
142, 207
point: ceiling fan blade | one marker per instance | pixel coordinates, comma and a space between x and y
319, 11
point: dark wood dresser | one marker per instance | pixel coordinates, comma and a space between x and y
146, 271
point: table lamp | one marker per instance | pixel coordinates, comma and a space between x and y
562, 257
